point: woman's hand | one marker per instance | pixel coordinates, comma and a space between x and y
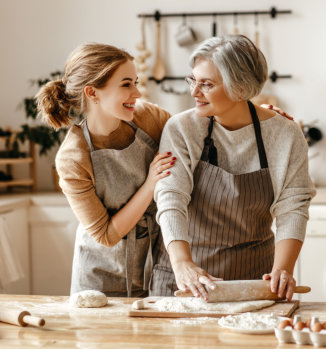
193, 278
158, 169
278, 110
282, 283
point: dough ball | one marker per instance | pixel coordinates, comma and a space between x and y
88, 299
138, 305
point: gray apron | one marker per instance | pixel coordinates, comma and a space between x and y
229, 221
124, 269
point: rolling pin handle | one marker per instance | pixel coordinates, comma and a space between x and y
33, 320
302, 289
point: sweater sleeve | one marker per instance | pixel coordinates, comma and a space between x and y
74, 167
293, 186
173, 193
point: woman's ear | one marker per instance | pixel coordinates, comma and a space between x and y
90, 93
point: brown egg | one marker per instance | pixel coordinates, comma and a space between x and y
284, 323
317, 327
299, 325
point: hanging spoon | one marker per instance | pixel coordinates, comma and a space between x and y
158, 70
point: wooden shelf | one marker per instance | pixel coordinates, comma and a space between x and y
17, 183
8, 163
15, 161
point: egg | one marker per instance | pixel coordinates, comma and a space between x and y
299, 325
284, 324
317, 327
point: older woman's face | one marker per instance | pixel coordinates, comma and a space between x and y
215, 101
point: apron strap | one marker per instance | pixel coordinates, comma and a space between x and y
148, 267
87, 135
259, 139
130, 253
209, 152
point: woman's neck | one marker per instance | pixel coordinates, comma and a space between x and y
235, 117
102, 126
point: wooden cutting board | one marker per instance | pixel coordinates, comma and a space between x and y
279, 308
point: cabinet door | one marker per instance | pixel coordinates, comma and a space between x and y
15, 222
53, 230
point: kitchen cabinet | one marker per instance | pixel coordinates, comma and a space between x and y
14, 225
52, 237
311, 264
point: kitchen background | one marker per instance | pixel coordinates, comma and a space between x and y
36, 37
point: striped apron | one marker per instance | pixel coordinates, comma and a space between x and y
229, 220
124, 269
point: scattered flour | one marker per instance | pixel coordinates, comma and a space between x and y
249, 321
198, 305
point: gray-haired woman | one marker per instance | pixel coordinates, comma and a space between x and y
239, 166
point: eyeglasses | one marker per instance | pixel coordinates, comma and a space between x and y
204, 87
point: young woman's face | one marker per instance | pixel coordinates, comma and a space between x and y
118, 97
215, 101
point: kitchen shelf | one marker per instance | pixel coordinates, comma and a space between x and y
9, 162
13, 161
17, 182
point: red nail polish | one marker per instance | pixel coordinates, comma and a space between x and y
174, 158
168, 172
169, 153
172, 163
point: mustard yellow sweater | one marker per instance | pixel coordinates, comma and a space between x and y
74, 166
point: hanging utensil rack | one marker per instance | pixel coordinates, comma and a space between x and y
273, 12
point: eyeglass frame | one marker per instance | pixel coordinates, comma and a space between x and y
202, 86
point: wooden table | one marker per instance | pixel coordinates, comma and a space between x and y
110, 327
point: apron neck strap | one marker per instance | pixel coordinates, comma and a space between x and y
209, 152
259, 139
87, 136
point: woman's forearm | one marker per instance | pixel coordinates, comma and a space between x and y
126, 218
286, 254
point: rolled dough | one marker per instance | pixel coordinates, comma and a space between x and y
198, 305
88, 299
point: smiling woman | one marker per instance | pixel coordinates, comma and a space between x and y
108, 168
239, 166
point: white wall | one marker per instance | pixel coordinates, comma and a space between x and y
37, 35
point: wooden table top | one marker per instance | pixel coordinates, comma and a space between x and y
111, 327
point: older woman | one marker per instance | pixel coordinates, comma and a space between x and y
239, 166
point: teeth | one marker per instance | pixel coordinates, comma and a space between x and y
129, 105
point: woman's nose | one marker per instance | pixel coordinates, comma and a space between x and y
136, 93
196, 91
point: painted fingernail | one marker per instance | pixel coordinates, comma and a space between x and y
174, 158
168, 172
169, 153
172, 163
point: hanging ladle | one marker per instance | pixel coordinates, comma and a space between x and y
158, 70
214, 26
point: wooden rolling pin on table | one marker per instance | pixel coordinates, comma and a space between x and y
20, 317
241, 290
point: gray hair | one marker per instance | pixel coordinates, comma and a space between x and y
241, 64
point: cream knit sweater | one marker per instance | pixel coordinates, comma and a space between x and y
286, 150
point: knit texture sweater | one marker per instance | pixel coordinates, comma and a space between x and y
74, 166
287, 156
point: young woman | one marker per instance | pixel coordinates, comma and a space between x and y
239, 166
108, 168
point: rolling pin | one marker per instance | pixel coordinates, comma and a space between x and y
20, 318
241, 290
